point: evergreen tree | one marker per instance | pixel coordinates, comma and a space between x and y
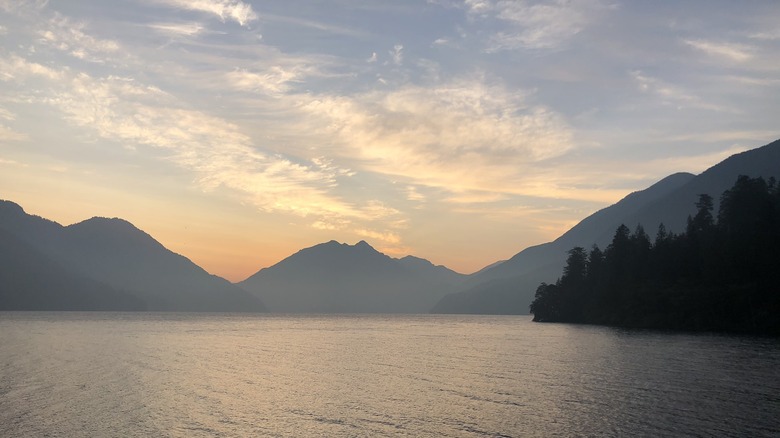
715, 276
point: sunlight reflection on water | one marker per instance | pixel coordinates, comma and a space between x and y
158, 374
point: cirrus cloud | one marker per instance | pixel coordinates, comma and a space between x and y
536, 24
127, 112
465, 135
235, 10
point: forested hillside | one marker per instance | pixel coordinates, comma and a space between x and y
716, 275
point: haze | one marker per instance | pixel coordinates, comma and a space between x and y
238, 132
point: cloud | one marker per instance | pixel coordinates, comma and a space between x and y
7, 134
212, 147
462, 136
17, 68
536, 25
13, 163
753, 80
385, 237
412, 194
729, 51
723, 136
273, 80
127, 112
327, 165
16, 6
673, 95
178, 29
397, 54
475, 197
479, 7
68, 36
311, 24
234, 10
770, 35
7, 115
376, 210
693, 163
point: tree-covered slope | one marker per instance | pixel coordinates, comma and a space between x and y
669, 201
716, 275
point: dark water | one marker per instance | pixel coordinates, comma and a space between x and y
107, 374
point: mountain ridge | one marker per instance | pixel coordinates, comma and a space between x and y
668, 201
111, 254
114, 253
335, 277
31, 280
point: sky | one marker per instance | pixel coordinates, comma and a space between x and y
238, 132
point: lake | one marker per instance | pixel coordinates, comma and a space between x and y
231, 375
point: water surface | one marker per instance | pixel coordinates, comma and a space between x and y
158, 374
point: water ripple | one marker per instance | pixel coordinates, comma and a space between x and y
108, 374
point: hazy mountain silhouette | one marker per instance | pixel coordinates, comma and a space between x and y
509, 287
29, 280
334, 277
437, 274
117, 254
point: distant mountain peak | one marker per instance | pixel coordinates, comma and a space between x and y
113, 223
416, 259
102, 255
11, 206
343, 278
418, 262
335, 245
108, 232
107, 225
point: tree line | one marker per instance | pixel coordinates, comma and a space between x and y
718, 275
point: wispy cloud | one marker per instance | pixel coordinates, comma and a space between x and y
178, 29
273, 80
460, 136
537, 24
122, 110
770, 35
412, 194
68, 36
235, 10
729, 51
692, 163
15, 67
7, 135
7, 115
673, 95
385, 237
331, 120
16, 6
13, 163
312, 24
397, 54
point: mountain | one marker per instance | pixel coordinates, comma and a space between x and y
334, 277
438, 274
32, 281
117, 255
510, 286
